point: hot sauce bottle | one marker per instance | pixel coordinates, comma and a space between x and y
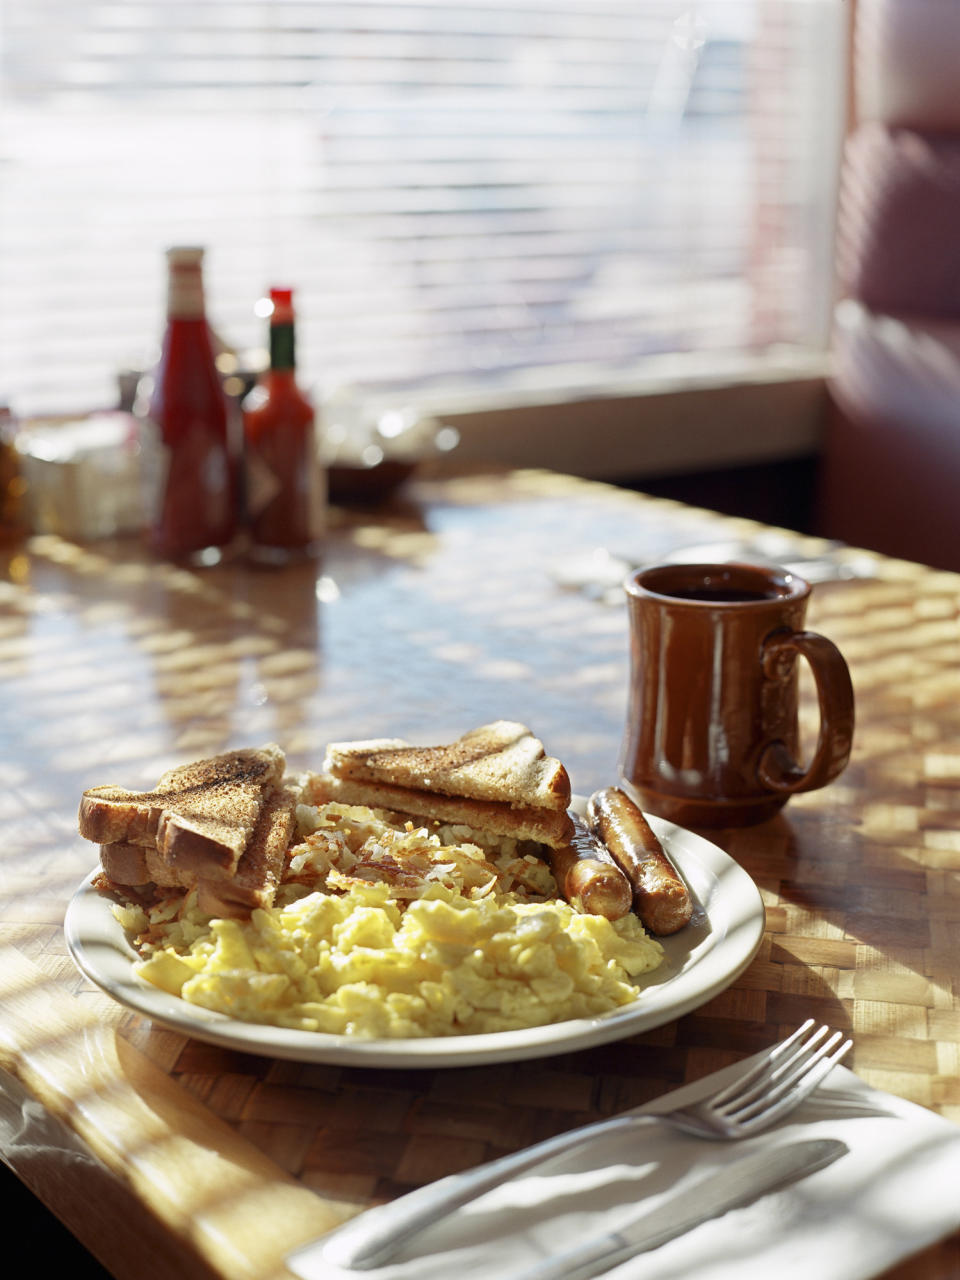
284, 480
187, 456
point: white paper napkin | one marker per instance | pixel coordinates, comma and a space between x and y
896, 1191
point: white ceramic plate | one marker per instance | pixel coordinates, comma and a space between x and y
701, 961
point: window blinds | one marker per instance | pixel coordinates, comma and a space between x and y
459, 192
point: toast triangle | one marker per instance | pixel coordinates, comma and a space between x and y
500, 762
200, 816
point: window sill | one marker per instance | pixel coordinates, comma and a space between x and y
673, 419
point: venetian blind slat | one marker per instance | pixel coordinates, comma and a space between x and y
456, 191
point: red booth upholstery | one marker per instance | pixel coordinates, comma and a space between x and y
891, 464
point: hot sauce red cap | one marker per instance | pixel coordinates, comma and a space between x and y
282, 300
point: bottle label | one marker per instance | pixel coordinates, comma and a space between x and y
263, 484
187, 497
285, 489
215, 472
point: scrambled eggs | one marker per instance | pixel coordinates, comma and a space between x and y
386, 930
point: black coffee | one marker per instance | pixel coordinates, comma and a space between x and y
723, 595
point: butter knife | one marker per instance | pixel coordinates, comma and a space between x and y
374, 1237
729, 1188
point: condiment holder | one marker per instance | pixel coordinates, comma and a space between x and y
82, 475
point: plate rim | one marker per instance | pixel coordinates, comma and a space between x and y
737, 937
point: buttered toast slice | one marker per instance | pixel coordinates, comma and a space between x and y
496, 778
199, 818
501, 762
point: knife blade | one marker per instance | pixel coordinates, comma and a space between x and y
728, 1188
373, 1238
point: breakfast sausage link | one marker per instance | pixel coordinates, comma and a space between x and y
660, 898
588, 877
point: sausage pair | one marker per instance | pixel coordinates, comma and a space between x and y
660, 897
617, 861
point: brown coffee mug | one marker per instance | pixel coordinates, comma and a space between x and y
712, 735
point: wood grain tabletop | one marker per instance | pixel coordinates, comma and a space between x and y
468, 599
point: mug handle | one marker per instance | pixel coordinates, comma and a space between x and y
777, 769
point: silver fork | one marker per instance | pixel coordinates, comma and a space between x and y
764, 1094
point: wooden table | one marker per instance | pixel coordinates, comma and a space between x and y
169, 1157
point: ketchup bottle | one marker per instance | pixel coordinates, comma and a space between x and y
186, 451
284, 481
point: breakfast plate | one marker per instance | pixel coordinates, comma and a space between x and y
700, 961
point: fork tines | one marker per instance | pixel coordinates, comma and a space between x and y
788, 1073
